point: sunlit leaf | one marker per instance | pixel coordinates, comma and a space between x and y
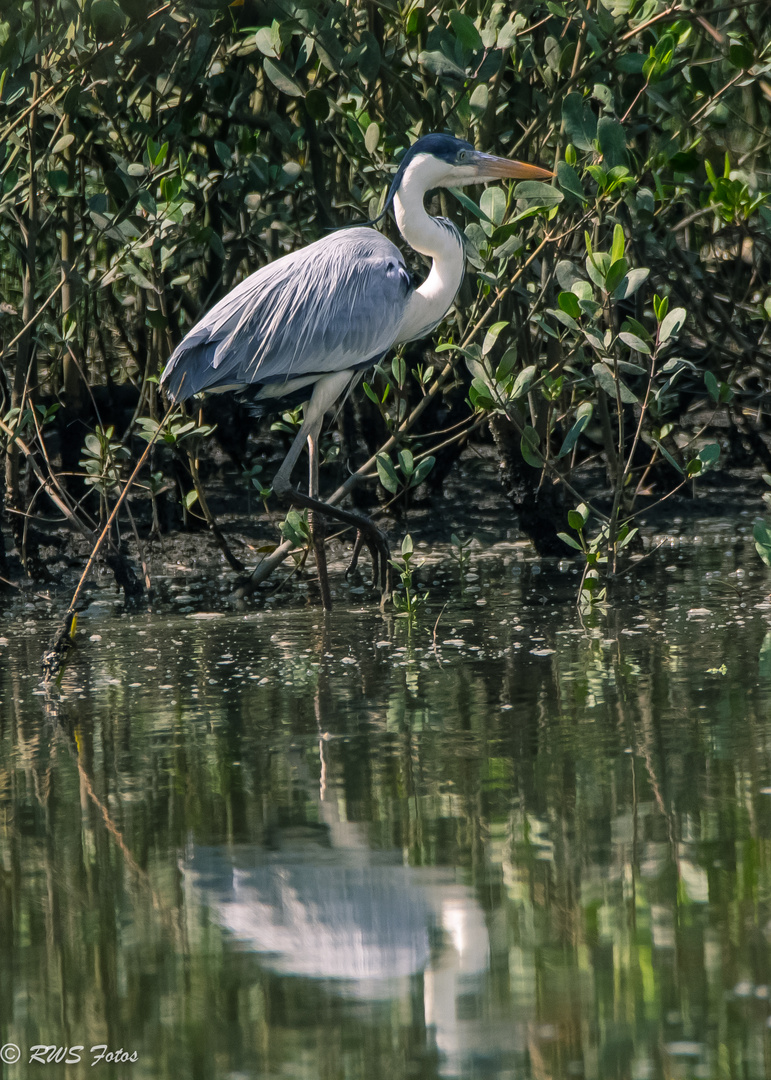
281, 77
529, 447
671, 323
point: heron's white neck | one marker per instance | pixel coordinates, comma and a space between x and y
436, 238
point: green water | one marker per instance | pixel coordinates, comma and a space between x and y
267, 844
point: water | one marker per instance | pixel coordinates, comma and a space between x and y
270, 844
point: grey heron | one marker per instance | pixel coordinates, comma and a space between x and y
305, 326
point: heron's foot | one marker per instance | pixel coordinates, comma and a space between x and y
358, 544
379, 551
366, 533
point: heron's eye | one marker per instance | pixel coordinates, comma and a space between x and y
462, 155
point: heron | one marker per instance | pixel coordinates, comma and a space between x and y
306, 326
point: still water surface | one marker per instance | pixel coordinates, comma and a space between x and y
270, 844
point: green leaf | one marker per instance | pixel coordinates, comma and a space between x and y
406, 461
470, 205
416, 22
666, 454
317, 104
575, 520
569, 304
597, 266
563, 317
191, 498
440, 65
671, 323
265, 41
372, 137
634, 342
407, 547
478, 100
583, 416
506, 365
612, 140
294, 528
636, 328
507, 35
492, 336
371, 394
58, 179
570, 541
617, 249
712, 386
107, 20
709, 454
569, 181
493, 204
625, 534
523, 382
630, 283
424, 467
537, 192
281, 77
607, 381
615, 275
63, 143
387, 473
741, 56
368, 57
762, 538
465, 31
529, 446
579, 121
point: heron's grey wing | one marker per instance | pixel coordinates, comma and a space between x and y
332, 306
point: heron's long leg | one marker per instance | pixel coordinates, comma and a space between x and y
326, 391
316, 521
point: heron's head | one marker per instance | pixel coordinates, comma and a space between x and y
443, 161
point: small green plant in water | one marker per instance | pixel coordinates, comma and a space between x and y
412, 473
460, 551
252, 478
408, 604
595, 551
295, 528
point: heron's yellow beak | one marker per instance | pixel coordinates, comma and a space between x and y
498, 168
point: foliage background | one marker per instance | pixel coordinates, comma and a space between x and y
153, 154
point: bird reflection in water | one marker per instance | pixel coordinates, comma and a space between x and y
319, 903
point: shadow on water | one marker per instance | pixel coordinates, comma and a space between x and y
274, 844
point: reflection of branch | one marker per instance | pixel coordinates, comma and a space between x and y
142, 877
647, 755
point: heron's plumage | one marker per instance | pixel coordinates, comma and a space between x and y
334, 305
309, 322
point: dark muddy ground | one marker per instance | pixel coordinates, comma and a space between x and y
187, 568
